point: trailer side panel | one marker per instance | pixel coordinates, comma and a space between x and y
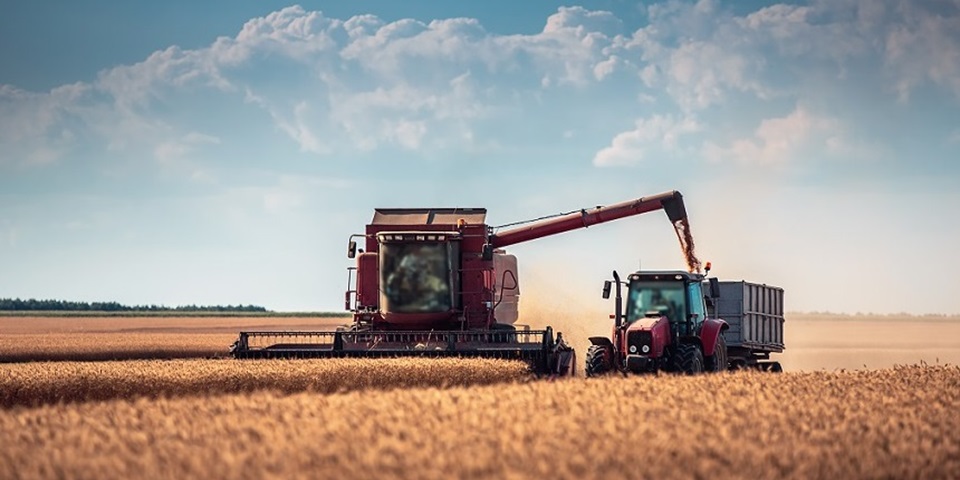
754, 313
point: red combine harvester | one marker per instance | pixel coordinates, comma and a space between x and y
667, 325
437, 282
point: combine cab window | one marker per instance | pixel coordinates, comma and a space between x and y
656, 298
416, 277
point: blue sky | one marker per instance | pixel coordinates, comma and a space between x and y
222, 152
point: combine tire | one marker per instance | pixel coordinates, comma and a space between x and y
688, 359
596, 361
718, 361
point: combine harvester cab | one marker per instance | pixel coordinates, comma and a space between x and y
671, 321
437, 282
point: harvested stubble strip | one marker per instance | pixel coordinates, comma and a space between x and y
32, 384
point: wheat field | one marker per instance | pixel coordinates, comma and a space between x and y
452, 418
37, 383
896, 423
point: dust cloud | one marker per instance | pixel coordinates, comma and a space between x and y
577, 319
865, 342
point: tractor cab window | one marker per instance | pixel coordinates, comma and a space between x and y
657, 298
695, 299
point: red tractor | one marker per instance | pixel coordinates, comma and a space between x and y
667, 326
437, 282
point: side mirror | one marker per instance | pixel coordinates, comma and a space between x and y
487, 254
352, 249
606, 289
714, 287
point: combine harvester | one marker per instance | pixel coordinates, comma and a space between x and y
437, 282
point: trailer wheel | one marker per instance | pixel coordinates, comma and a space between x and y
718, 361
596, 361
688, 359
775, 367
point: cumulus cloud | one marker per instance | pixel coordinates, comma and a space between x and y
176, 149
777, 140
924, 47
37, 128
334, 86
655, 134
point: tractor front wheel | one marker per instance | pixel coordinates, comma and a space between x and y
688, 359
597, 363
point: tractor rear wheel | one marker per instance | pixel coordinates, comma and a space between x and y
596, 361
718, 361
688, 359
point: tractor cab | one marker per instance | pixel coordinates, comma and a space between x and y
676, 295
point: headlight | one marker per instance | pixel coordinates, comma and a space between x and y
633, 349
646, 349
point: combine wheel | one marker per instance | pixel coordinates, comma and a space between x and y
688, 359
718, 361
596, 361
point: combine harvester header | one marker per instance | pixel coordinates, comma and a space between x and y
437, 282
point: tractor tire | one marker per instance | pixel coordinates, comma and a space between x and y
688, 359
718, 362
596, 361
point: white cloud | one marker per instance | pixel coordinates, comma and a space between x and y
924, 46
299, 129
274, 194
408, 134
174, 150
334, 86
657, 133
605, 68
34, 127
914, 42
777, 140
695, 53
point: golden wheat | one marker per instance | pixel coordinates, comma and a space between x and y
898, 423
39, 383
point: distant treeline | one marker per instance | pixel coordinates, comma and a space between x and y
33, 305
